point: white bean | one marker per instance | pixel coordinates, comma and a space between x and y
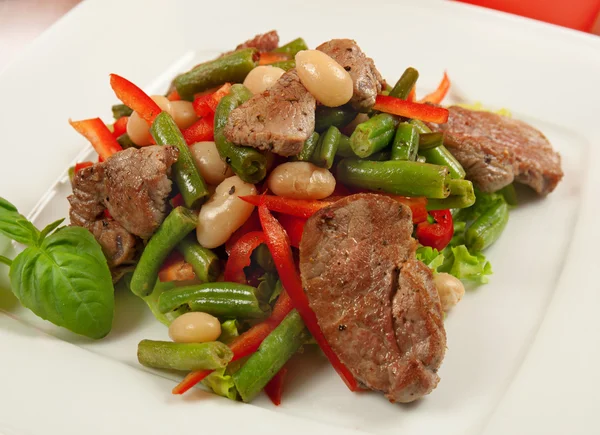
183, 113
138, 129
195, 327
262, 78
212, 168
301, 180
450, 289
324, 78
224, 212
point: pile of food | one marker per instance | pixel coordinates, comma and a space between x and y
279, 197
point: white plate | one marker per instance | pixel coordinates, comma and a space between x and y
521, 350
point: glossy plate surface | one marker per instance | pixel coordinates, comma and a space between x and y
517, 347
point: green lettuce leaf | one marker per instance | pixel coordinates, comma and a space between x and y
431, 257
460, 263
229, 331
221, 383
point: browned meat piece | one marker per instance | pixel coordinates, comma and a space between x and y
496, 150
133, 185
118, 245
263, 42
136, 187
279, 120
376, 304
367, 80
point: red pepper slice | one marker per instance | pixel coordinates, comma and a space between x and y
173, 96
82, 165
202, 130
99, 135
134, 97
278, 244
438, 95
438, 234
177, 201
407, 109
293, 226
267, 58
174, 268
245, 344
240, 256
120, 126
296, 207
206, 104
275, 386
251, 224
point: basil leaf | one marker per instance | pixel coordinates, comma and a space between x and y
15, 226
66, 280
50, 227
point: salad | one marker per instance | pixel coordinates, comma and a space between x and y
279, 197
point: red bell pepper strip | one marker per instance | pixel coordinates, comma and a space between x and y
407, 109
120, 126
240, 256
293, 226
275, 386
438, 234
99, 135
206, 104
412, 95
296, 207
134, 97
438, 95
177, 201
174, 268
245, 344
279, 246
267, 58
202, 130
173, 95
251, 224
82, 165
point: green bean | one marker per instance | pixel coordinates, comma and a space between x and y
183, 356
233, 68
428, 141
399, 177
247, 163
439, 155
510, 194
372, 135
406, 142
488, 227
344, 148
174, 228
285, 65
120, 110
125, 141
273, 353
325, 117
187, 176
328, 145
222, 299
262, 256
204, 262
381, 156
405, 83
292, 47
462, 195
310, 145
